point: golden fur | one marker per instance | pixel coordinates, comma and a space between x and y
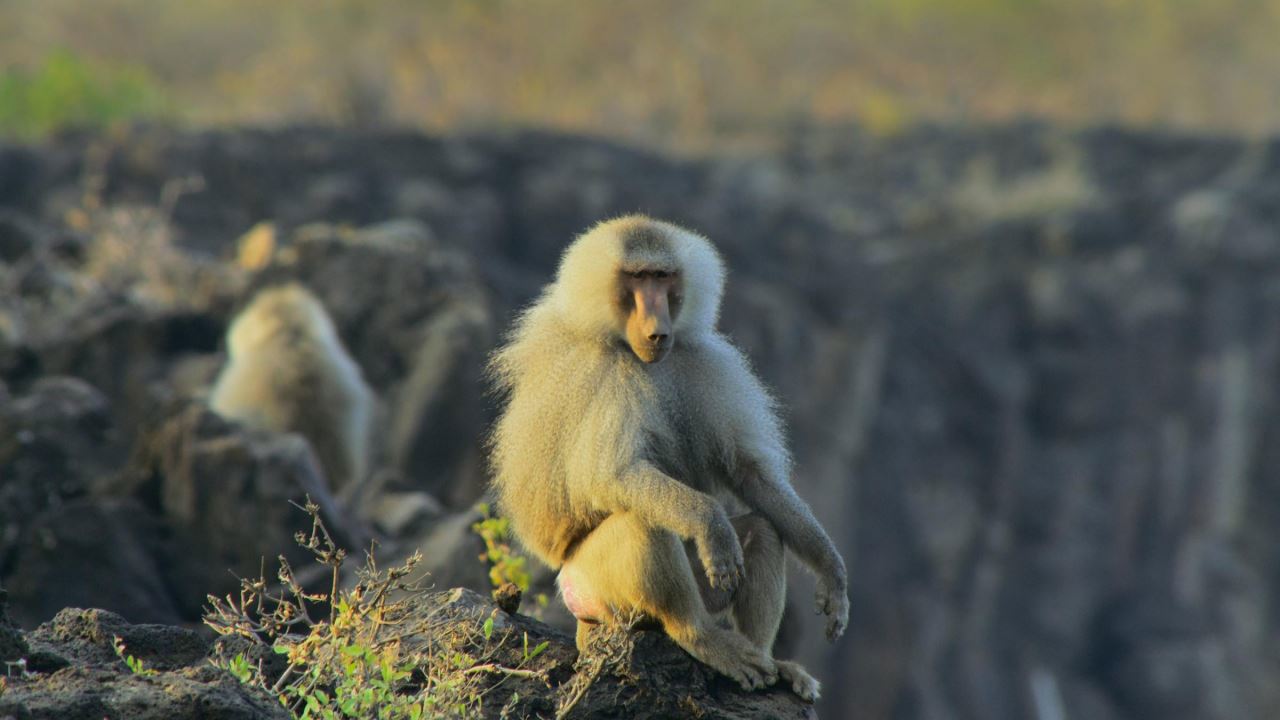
607, 466
288, 371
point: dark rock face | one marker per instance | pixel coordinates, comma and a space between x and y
91, 538
419, 333
225, 493
1027, 374
13, 647
55, 440
75, 674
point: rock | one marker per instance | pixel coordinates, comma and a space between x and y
13, 646
435, 437
91, 552
18, 236
507, 597
641, 674
87, 637
129, 349
402, 514
92, 694
224, 492
382, 322
93, 682
451, 553
55, 443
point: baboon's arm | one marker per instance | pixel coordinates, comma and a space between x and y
665, 502
794, 521
777, 501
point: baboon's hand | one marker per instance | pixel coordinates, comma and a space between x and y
721, 554
833, 601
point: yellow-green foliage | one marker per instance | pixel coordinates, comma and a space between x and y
68, 90
346, 650
505, 564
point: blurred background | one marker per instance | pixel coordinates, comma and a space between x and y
663, 71
1011, 266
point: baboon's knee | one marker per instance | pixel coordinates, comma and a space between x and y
758, 536
626, 563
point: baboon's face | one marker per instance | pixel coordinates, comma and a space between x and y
650, 301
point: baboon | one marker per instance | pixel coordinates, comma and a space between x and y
630, 430
287, 371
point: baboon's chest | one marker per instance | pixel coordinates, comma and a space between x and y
687, 448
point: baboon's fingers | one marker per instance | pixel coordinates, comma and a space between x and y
835, 627
721, 555
724, 576
834, 603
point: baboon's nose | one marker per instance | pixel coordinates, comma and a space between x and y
658, 338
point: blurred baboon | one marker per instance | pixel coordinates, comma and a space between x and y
287, 371
629, 422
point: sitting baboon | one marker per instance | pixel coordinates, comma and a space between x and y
287, 371
628, 419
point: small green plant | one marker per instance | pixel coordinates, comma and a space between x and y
367, 685
135, 664
536, 651
65, 89
243, 670
505, 564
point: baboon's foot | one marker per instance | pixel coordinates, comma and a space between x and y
732, 655
582, 636
801, 682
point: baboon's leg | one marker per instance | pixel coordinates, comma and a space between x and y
760, 600
627, 564
580, 637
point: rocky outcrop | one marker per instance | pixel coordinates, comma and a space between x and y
1026, 372
227, 496
76, 669
73, 672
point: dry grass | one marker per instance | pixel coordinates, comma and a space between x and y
674, 71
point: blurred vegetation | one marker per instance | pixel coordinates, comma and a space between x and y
660, 70
67, 90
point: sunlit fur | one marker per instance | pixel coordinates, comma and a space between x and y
580, 411
583, 413
287, 371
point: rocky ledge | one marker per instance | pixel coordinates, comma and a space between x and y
93, 664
